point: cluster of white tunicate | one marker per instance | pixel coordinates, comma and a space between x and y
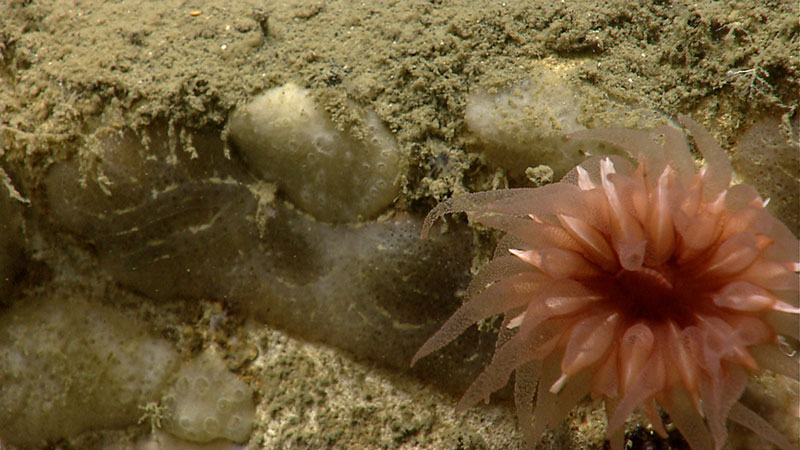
209, 402
327, 172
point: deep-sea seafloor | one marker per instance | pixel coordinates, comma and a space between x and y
141, 228
174, 223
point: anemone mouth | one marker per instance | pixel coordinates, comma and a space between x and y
654, 295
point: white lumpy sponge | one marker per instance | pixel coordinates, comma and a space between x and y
68, 365
522, 125
325, 171
209, 402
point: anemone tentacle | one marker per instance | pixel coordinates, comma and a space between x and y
657, 286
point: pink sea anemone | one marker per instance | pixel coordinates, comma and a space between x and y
649, 285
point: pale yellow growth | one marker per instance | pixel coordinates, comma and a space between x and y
327, 172
208, 402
